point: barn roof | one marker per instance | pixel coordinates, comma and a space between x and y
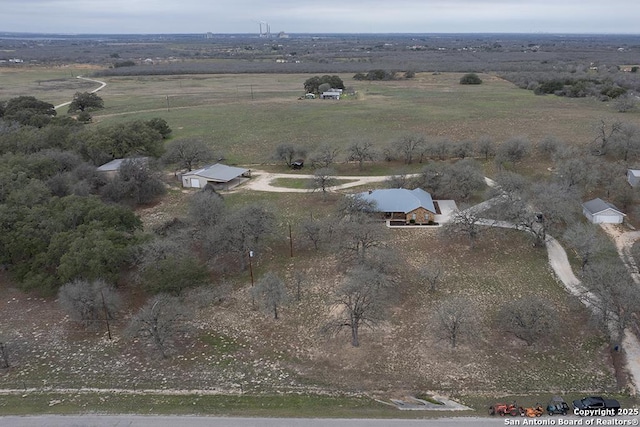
115, 164
218, 172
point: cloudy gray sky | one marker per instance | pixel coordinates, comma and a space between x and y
320, 16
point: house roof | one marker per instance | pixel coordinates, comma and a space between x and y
634, 172
218, 172
115, 164
400, 200
597, 206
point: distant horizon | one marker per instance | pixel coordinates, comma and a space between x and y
275, 34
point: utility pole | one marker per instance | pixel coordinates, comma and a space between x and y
106, 315
290, 241
253, 299
167, 103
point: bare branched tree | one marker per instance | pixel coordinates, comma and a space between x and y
613, 293
271, 292
605, 131
91, 303
586, 241
468, 223
529, 318
324, 156
159, 322
323, 178
4, 355
363, 300
361, 151
188, 153
408, 146
455, 319
432, 273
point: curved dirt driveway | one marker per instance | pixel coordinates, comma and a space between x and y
262, 181
102, 86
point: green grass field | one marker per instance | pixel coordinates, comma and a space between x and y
246, 115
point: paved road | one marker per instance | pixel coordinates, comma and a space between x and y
189, 421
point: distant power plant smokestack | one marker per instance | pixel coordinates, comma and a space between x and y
265, 32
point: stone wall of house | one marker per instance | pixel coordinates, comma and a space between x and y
420, 215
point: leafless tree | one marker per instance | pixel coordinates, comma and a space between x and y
438, 148
188, 153
614, 295
586, 240
543, 207
625, 103
513, 150
361, 151
626, 142
159, 322
399, 180
363, 300
288, 152
244, 229
299, 277
529, 318
605, 130
271, 292
612, 177
4, 355
468, 223
323, 178
313, 230
462, 149
454, 319
577, 172
324, 156
408, 146
431, 272
486, 147
457, 181
359, 236
549, 146
91, 303
206, 209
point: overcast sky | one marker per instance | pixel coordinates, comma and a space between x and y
320, 16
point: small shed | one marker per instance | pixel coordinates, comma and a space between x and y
219, 175
598, 211
633, 177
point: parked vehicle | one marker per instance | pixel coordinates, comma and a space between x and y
557, 405
532, 412
596, 405
503, 409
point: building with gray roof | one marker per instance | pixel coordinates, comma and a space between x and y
220, 175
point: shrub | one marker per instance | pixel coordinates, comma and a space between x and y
470, 79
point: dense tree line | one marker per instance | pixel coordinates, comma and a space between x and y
57, 218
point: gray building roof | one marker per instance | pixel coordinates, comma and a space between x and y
115, 164
400, 200
597, 206
218, 172
634, 172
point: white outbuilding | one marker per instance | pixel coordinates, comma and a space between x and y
219, 175
633, 177
598, 211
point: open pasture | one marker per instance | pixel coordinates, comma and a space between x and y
247, 115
